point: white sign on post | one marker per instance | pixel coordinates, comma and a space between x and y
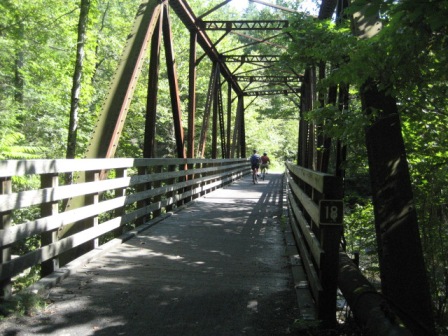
331, 211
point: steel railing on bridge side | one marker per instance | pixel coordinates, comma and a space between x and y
118, 195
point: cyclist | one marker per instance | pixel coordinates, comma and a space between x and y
265, 161
255, 164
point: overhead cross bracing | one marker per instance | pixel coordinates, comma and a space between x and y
241, 28
256, 51
243, 25
251, 58
271, 92
236, 48
269, 79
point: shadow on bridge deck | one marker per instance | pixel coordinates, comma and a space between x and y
216, 267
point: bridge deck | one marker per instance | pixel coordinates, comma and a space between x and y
216, 267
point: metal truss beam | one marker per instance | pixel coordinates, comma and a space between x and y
244, 25
186, 15
270, 92
250, 58
269, 79
113, 113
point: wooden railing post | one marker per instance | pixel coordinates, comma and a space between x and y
330, 240
119, 173
171, 168
182, 167
93, 176
197, 166
49, 209
5, 223
317, 213
158, 198
143, 203
190, 177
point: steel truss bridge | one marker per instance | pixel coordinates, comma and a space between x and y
160, 184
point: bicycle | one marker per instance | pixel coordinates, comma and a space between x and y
264, 168
255, 175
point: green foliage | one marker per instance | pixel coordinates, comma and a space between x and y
359, 232
12, 146
23, 304
314, 41
407, 59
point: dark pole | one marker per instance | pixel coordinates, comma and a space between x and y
149, 146
229, 118
173, 83
192, 96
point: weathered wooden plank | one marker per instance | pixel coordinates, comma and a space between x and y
32, 167
47, 252
314, 281
210, 176
327, 184
22, 231
35, 197
312, 241
311, 208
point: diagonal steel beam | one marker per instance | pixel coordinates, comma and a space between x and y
149, 144
111, 119
187, 16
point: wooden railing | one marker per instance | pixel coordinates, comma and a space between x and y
316, 213
112, 196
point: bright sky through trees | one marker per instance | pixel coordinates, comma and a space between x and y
308, 5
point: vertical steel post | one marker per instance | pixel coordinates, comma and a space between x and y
403, 272
173, 82
215, 120
192, 95
229, 118
242, 131
149, 146
341, 149
208, 104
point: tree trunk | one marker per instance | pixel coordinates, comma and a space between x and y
76, 88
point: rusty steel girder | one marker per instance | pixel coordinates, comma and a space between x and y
271, 92
269, 79
244, 25
250, 58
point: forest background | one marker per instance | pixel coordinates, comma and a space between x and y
38, 58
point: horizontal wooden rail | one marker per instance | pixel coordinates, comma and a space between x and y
315, 212
134, 191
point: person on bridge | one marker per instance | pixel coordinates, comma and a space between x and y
255, 165
265, 161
